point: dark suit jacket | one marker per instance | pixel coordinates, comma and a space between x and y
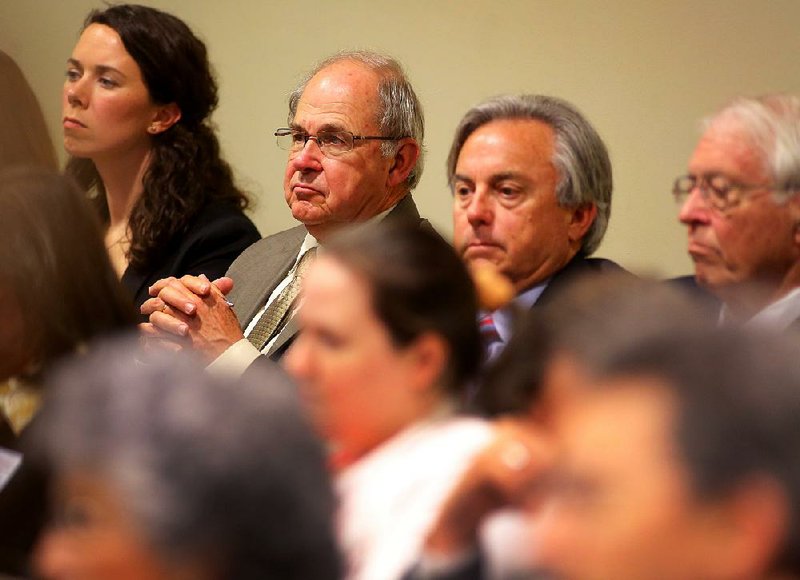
260, 268
218, 234
703, 297
23, 510
576, 269
509, 383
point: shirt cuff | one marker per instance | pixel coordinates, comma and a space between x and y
235, 360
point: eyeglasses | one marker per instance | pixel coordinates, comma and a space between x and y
716, 190
331, 143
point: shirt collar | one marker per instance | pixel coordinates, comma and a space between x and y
775, 316
503, 318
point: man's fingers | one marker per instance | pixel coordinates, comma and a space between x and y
152, 305
169, 324
199, 285
156, 288
224, 284
180, 298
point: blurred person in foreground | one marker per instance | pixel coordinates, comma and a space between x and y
681, 463
58, 292
674, 446
162, 471
389, 339
740, 205
57, 286
24, 139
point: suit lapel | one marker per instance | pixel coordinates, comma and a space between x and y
279, 265
270, 266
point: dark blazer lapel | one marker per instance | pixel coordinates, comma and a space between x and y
135, 280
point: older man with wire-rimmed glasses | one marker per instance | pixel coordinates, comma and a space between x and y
739, 202
354, 144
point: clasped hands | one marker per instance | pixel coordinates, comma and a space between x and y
191, 311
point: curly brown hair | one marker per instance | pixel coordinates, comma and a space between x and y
186, 170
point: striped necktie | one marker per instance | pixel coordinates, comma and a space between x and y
490, 338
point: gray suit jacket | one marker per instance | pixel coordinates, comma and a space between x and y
262, 266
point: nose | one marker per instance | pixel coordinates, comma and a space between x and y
694, 208
480, 210
51, 558
76, 93
551, 538
296, 360
309, 158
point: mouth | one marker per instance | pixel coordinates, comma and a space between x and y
481, 249
482, 245
304, 192
699, 251
72, 123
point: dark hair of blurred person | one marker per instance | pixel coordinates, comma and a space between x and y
58, 292
597, 306
137, 103
416, 287
694, 433
24, 139
389, 338
527, 389
162, 470
57, 285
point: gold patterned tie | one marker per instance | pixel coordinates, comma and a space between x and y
276, 314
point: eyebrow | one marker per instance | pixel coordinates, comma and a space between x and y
494, 177
329, 127
99, 69
507, 175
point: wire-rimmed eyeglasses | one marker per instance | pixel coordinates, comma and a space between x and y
331, 143
717, 190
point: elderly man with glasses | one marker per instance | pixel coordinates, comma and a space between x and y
354, 144
740, 205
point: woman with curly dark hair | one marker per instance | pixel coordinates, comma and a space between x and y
136, 103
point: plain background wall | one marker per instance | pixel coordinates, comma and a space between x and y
644, 72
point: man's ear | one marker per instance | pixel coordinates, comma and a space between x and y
166, 116
751, 530
581, 219
404, 161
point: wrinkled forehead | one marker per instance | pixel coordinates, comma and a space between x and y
727, 147
347, 92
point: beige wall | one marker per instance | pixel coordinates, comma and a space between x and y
643, 71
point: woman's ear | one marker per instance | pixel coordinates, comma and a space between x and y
428, 356
166, 116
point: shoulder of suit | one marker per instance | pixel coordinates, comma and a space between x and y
282, 242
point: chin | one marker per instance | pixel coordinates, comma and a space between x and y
307, 213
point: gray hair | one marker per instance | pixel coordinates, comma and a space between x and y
399, 111
579, 156
204, 465
773, 124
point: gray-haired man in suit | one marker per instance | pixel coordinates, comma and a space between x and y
355, 144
